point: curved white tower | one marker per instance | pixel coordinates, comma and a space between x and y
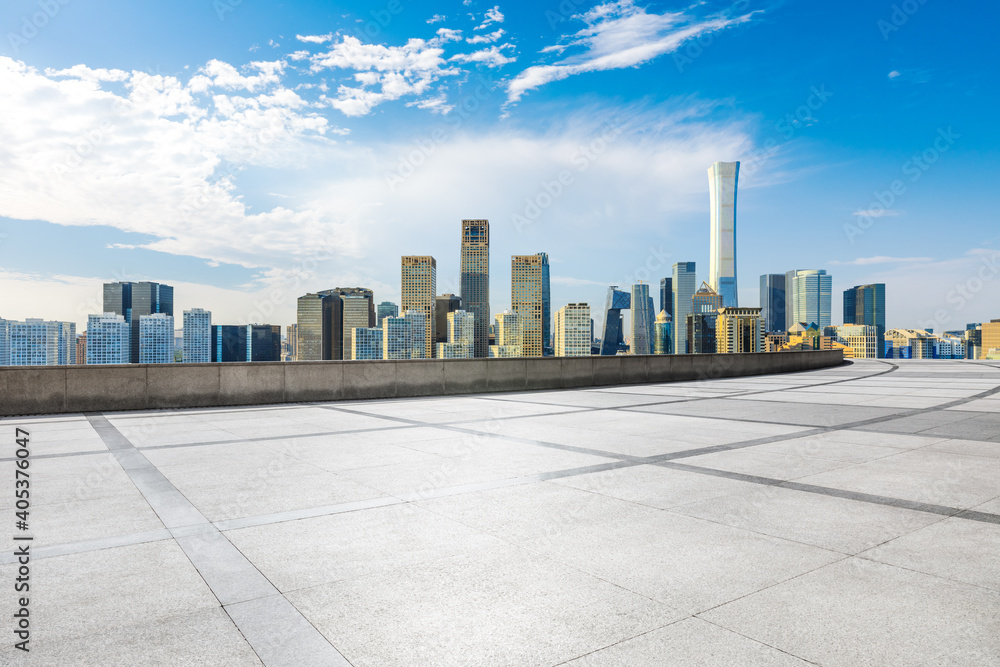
722, 181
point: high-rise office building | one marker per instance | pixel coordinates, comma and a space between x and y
642, 320
667, 295
991, 339
108, 339
475, 279
229, 343
613, 336
723, 179
355, 316
863, 340
684, 283
571, 327
461, 336
384, 310
418, 333
546, 307
37, 342
865, 305
313, 322
701, 333
350, 307
197, 336
366, 343
291, 342
444, 304
772, 302
529, 298
156, 339
663, 333
133, 300
508, 335
739, 331
419, 287
263, 342
807, 298
397, 339
81, 349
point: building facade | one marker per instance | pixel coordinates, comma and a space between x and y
990, 339
663, 334
571, 326
366, 343
642, 320
419, 289
36, 342
397, 339
313, 324
156, 339
384, 310
529, 297
109, 339
739, 331
444, 304
684, 284
355, 315
808, 298
508, 335
863, 339
418, 333
865, 305
772, 302
667, 295
197, 336
723, 180
461, 336
701, 333
613, 336
134, 300
475, 279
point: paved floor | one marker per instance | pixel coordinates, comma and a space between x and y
842, 517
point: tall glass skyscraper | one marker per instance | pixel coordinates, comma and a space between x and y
865, 304
642, 320
475, 279
529, 297
444, 304
396, 338
461, 336
613, 337
807, 298
156, 339
418, 333
366, 343
772, 302
384, 310
108, 339
133, 300
667, 295
723, 178
419, 287
37, 342
684, 283
197, 336
546, 307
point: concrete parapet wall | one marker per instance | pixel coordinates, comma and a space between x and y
59, 389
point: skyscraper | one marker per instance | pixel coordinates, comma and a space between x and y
37, 342
418, 333
706, 300
508, 335
397, 340
546, 307
313, 327
571, 327
667, 295
461, 336
108, 339
663, 331
865, 305
355, 316
613, 336
684, 283
156, 339
642, 320
133, 300
739, 330
197, 336
807, 298
81, 348
350, 307
384, 310
263, 342
419, 287
772, 302
475, 279
366, 343
529, 298
229, 343
722, 184
444, 304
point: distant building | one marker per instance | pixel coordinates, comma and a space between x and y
772, 302
419, 288
991, 339
263, 342
418, 333
613, 336
909, 344
134, 300
723, 178
642, 320
663, 334
508, 335
572, 330
246, 342
37, 342
529, 297
739, 331
773, 342
865, 305
461, 336
444, 304
197, 336
366, 343
397, 338
109, 339
81, 349
706, 300
808, 298
863, 340
384, 310
667, 295
156, 339
291, 342
684, 283
475, 279
701, 333
313, 341
356, 314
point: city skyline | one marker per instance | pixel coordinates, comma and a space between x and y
821, 152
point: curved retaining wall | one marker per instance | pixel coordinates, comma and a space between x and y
56, 389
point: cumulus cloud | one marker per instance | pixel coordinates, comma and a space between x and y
487, 38
493, 15
617, 35
491, 57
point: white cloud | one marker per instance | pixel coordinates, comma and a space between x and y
490, 57
437, 18
882, 259
619, 34
493, 15
315, 39
894, 73
487, 38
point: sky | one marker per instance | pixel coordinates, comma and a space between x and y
248, 151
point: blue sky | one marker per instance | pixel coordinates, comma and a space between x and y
250, 151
